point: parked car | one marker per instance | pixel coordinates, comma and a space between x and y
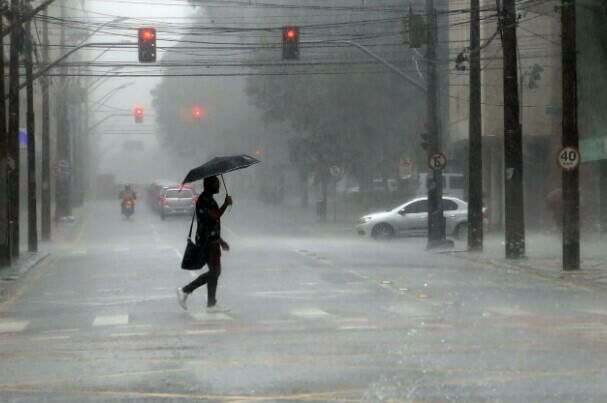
176, 200
411, 219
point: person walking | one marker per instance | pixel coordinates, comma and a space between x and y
208, 238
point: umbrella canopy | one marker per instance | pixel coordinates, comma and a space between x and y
219, 166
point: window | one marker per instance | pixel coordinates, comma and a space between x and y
420, 206
449, 205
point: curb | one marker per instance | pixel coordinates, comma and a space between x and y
10, 275
572, 278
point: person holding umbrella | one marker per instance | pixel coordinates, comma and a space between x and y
208, 237
208, 213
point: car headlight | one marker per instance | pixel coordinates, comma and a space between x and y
365, 220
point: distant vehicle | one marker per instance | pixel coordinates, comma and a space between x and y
155, 191
129, 208
378, 186
411, 219
453, 185
175, 200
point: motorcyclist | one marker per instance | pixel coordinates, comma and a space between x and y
126, 195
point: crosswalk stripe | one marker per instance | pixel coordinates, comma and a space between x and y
50, 338
10, 326
111, 320
205, 331
309, 313
203, 316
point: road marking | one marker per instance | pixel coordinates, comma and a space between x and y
122, 249
111, 320
12, 326
61, 331
50, 338
358, 327
111, 289
309, 313
205, 331
132, 334
204, 316
79, 252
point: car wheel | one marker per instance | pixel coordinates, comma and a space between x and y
461, 231
382, 231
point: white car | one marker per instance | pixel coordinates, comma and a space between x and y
411, 219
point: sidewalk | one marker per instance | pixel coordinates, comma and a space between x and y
27, 260
544, 258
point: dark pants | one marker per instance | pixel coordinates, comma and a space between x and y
213, 255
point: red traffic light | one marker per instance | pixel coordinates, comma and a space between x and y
138, 112
290, 34
147, 34
147, 45
197, 112
290, 43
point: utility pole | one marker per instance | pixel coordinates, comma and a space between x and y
64, 176
5, 256
475, 142
46, 140
513, 139
570, 138
32, 205
13, 131
436, 220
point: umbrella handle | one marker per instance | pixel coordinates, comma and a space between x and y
225, 187
224, 184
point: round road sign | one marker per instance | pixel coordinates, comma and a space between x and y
335, 171
437, 161
569, 158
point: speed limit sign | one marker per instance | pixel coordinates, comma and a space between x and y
569, 158
437, 161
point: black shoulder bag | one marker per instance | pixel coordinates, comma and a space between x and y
193, 257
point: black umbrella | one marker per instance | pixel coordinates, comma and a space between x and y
219, 166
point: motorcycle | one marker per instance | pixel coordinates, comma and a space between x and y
128, 208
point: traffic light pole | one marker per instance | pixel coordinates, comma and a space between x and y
13, 134
475, 144
46, 143
570, 138
63, 183
32, 206
436, 219
5, 256
513, 141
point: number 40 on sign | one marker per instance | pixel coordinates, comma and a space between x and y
569, 158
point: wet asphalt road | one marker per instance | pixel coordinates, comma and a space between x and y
313, 317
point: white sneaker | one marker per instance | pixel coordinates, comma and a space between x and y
181, 298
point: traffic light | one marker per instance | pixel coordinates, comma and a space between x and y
425, 141
290, 43
147, 45
138, 114
417, 30
197, 112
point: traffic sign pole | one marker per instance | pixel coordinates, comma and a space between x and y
569, 157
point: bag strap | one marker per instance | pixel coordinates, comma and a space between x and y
192, 224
